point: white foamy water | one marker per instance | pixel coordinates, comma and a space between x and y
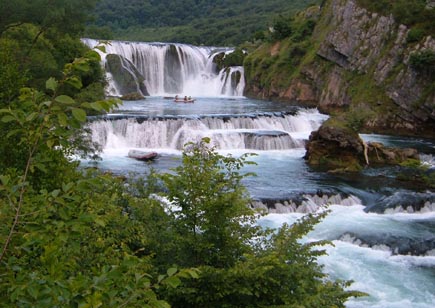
170, 68
398, 281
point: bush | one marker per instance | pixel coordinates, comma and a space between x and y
415, 35
282, 28
423, 62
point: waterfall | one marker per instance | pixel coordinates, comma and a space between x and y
169, 69
257, 132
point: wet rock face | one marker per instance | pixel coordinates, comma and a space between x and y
127, 78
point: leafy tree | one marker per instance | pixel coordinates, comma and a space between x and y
240, 264
66, 239
209, 22
12, 78
211, 219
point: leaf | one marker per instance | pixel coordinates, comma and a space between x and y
194, 273
79, 114
173, 281
8, 118
160, 278
33, 291
50, 143
65, 99
96, 106
63, 119
13, 132
67, 187
100, 222
171, 271
75, 82
51, 84
101, 48
4, 179
31, 116
81, 65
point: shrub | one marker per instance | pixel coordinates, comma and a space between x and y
423, 62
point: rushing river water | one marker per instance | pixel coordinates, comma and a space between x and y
383, 231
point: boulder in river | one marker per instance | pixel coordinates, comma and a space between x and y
335, 147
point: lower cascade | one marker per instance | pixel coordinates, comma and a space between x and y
258, 132
382, 229
160, 69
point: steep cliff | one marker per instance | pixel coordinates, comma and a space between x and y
367, 67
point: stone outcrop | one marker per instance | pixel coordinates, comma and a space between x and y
337, 148
362, 61
125, 75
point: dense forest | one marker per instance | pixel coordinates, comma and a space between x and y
76, 237
203, 22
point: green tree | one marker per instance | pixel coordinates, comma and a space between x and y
212, 222
240, 265
12, 78
66, 239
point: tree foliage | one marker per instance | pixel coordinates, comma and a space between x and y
424, 62
211, 219
206, 22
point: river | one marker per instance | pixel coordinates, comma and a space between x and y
382, 229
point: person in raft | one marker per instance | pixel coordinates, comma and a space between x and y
185, 98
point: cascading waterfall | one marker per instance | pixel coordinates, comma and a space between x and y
181, 69
258, 132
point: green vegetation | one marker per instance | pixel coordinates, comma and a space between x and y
37, 38
412, 13
424, 62
208, 22
277, 60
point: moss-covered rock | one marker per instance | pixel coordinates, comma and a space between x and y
134, 96
225, 60
335, 148
338, 148
353, 59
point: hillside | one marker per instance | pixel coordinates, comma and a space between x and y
374, 67
200, 22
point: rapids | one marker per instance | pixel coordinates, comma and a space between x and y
382, 230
